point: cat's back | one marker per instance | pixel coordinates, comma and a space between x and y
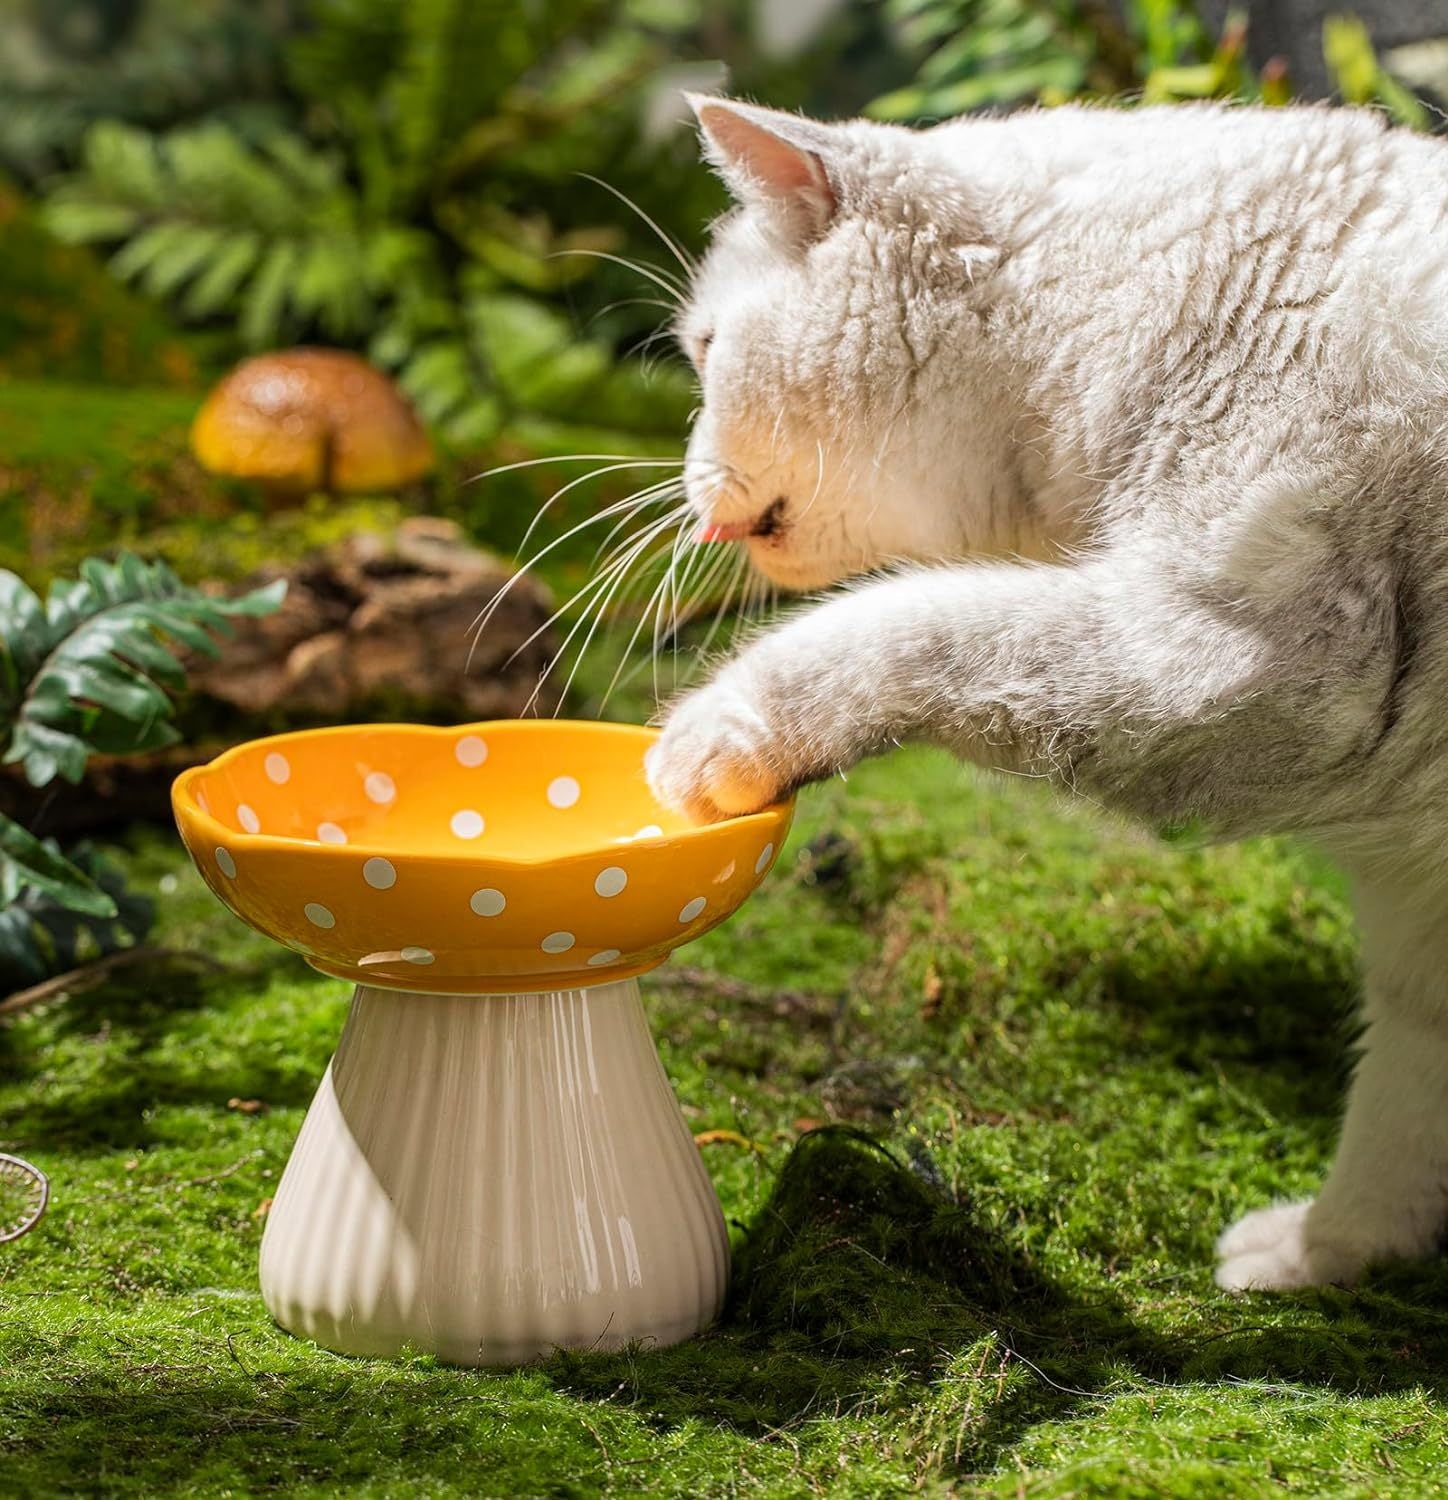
1304, 241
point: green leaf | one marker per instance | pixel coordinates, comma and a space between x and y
82, 221
266, 299
1347, 49
97, 671
27, 861
24, 638
217, 286
180, 260
40, 935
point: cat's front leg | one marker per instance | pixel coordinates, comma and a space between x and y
723, 752
875, 665
1386, 1195
796, 705
1018, 666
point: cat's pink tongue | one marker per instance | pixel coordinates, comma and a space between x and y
714, 531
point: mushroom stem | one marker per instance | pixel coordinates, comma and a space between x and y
488, 1179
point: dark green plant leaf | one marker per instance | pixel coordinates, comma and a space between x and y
29, 863
41, 935
95, 671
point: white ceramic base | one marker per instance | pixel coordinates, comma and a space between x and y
487, 1179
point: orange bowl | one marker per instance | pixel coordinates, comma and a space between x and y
488, 858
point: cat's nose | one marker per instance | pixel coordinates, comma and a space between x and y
717, 531
766, 523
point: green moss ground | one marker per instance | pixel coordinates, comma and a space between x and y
1055, 1057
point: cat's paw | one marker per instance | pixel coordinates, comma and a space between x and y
717, 756
1272, 1250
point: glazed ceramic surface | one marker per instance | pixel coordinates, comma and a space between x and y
489, 858
490, 1181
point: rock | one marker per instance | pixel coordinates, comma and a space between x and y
387, 625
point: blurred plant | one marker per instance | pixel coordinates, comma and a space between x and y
65, 64
982, 52
416, 206
1361, 78
976, 53
89, 671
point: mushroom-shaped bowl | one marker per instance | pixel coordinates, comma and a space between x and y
511, 856
494, 1164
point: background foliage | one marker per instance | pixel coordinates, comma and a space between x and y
90, 669
418, 182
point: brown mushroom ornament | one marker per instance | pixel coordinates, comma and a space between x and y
311, 420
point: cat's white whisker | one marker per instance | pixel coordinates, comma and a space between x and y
630, 459
630, 504
679, 253
599, 610
590, 591
574, 484
598, 590
668, 285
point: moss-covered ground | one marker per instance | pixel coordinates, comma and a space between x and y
996, 1069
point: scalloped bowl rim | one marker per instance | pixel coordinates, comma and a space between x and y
183, 788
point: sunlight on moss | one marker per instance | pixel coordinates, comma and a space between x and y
1051, 1056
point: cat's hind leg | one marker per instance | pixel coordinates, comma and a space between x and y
1386, 1195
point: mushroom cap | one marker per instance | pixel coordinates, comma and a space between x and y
311, 419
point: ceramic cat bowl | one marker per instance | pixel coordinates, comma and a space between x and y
494, 1165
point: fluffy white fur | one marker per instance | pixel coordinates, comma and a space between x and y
1138, 420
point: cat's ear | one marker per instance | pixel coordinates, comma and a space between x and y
771, 159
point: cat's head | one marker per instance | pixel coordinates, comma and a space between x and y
830, 433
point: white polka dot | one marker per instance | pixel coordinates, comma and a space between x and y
247, 817
727, 873
471, 750
330, 833
380, 787
487, 902
380, 874
765, 855
557, 942
563, 791
606, 957
467, 824
277, 769
610, 881
418, 956
225, 863
653, 831
318, 915
692, 909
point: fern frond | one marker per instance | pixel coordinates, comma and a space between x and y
457, 60
153, 63
93, 670
272, 234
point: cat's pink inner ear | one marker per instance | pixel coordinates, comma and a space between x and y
758, 160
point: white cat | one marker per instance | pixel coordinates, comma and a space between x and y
1146, 413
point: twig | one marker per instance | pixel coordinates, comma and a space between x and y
739, 991
190, 1182
728, 1138
89, 975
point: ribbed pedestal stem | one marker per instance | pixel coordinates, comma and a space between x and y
487, 1179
